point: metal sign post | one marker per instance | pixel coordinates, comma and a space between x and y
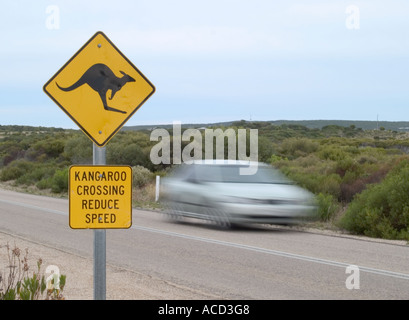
99, 158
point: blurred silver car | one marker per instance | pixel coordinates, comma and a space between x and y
223, 192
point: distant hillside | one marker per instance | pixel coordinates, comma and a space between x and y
400, 126
312, 124
22, 128
365, 125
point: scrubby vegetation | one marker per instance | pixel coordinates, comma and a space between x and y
360, 177
18, 282
382, 210
38, 160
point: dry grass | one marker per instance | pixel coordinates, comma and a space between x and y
144, 197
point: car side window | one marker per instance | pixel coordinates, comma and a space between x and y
208, 173
191, 175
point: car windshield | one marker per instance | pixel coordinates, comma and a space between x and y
231, 174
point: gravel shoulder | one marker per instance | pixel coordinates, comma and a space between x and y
121, 284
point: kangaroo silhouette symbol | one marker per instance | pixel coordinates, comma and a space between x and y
101, 79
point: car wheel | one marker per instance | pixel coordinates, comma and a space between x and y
172, 212
218, 217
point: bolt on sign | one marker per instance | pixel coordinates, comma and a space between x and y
100, 197
99, 89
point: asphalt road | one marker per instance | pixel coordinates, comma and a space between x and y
260, 262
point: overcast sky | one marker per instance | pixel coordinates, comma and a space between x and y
221, 60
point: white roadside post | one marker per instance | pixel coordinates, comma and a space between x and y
157, 188
99, 158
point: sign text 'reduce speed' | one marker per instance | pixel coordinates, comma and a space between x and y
100, 197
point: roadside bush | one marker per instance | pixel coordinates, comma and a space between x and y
45, 183
348, 165
127, 154
141, 176
46, 148
56, 180
332, 152
265, 149
59, 182
15, 170
78, 149
10, 173
382, 210
351, 187
18, 284
297, 147
38, 172
9, 152
327, 206
325, 184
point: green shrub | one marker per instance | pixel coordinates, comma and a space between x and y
38, 172
326, 184
59, 181
141, 176
10, 173
297, 147
127, 154
78, 149
327, 206
45, 183
382, 210
15, 170
18, 284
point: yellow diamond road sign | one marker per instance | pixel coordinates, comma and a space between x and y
99, 89
100, 197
